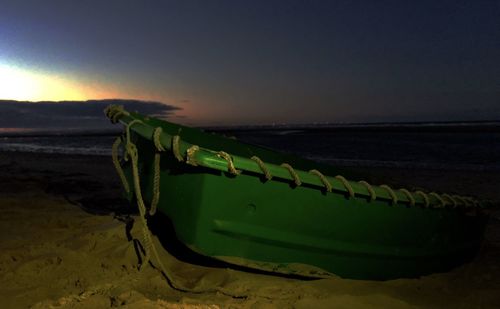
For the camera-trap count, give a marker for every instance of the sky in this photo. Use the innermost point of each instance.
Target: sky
(258, 62)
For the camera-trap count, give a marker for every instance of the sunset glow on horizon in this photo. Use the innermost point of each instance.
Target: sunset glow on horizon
(24, 85)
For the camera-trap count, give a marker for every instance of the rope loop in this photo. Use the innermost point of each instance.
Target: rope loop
(472, 202)
(324, 180)
(118, 167)
(424, 196)
(369, 188)
(461, 199)
(391, 193)
(176, 148)
(439, 198)
(156, 139)
(131, 149)
(295, 176)
(127, 129)
(150, 250)
(263, 167)
(230, 163)
(114, 112)
(476, 203)
(450, 198)
(409, 196)
(346, 184)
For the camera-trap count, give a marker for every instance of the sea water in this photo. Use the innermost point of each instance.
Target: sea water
(393, 147)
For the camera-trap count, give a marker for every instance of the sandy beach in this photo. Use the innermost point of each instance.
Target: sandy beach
(68, 240)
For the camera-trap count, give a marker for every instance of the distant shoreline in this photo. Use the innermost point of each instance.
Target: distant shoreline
(461, 126)
(452, 126)
(60, 133)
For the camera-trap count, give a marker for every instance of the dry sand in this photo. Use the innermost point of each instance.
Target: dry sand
(66, 242)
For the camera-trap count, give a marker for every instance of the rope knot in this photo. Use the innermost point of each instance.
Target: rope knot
(230, 163)
(263, 167)
(439, 198)
(408, 194)
(425, 197)
(324, 180)
(295, 176)
(132, 150)
(346, 185)
(369, 188)
(114, 112)
(393, 196)
(190, 155)
(451, 199)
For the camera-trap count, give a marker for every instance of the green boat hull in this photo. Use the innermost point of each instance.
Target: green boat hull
(278, 226)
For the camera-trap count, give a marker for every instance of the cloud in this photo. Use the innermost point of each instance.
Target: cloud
(72, 114)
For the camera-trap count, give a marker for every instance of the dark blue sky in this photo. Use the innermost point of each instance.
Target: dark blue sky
(244, 62)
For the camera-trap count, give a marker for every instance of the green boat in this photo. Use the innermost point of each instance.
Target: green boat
(255, 207)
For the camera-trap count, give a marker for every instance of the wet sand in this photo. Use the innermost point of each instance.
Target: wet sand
(68, 240)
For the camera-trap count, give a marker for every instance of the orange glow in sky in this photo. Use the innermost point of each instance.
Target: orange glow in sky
(26, 85)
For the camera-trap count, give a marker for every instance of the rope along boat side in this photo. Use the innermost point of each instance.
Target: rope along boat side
(262, 209)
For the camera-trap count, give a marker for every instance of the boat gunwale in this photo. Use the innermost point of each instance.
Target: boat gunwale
(202, 156)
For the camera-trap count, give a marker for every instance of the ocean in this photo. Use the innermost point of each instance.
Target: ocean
(454, 147)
